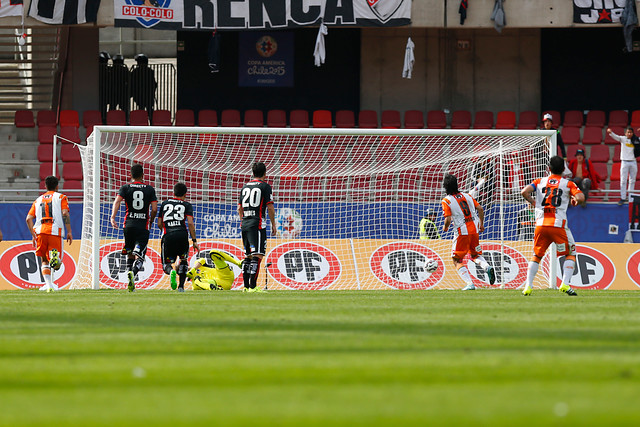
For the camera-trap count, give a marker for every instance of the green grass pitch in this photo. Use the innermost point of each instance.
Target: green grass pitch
(353, 358)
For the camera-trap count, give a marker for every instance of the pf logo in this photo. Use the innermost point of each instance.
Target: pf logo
(510, 267)
(384, 9)
(113, 268)
(21, 267)
(402, 265)
(594, 270)
(633, 267)
(304, 266)
(205, 249)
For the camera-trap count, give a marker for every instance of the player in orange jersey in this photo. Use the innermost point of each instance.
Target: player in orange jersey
(550, 196)
(47, 220)
(467, 218)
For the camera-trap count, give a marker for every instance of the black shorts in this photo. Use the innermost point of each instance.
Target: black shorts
(175, 244)
(254, 241)
(136, 236)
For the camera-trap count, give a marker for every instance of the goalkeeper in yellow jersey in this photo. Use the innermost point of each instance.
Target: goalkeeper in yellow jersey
(220, 277)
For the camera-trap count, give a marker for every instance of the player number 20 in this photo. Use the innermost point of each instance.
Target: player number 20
(251, 197)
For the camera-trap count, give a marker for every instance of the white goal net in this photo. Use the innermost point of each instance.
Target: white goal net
(348, 201)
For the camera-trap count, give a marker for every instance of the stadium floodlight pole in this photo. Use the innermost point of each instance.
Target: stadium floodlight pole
(553, 264)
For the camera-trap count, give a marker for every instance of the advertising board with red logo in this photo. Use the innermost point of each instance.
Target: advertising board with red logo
(333, 264)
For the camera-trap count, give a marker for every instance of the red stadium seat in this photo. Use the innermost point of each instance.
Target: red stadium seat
(616, 153)
(385, 187)
(69, 118)
(46, 134)
(139, 118)
(361, 154)
(70, 153)
(289, 154)
(592, 135)
(47, 168)
(601, 170)
(337, 154)
(571, 150)
(185, 117)
(615, 172)
(483, 120)
(230, 118)
(596, 118)
(45, 153)
(116, 118)
(299, 118)
(408, 184)
(390, 119)
(367, 119)
(570, 135)
(345, 119)
(46, 118)
(618, 118)
(69, 133)
(253, 118)
(599, 153)
(506, 120)
(207, 118)
(360, 188)
(75, 195)
(573, 118)
(24, 119)
(413, 119)
(335, 189)
(322, 119)
(528, 120)
(635, 119)
(161, 118)
(276, 119)
(461, 119)
(90, 118)
(72, 170)
(314, 189)
(437, 119)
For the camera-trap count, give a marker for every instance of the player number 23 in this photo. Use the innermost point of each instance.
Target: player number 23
(173, 214)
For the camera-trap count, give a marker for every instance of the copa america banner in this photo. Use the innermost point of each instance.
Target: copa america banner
(597, 11)
(11, 8)
(258, 14)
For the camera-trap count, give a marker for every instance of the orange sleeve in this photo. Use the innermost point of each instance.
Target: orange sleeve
(64, 203)
(446, 208)
(475, 203)
(32, 211)
(573, 188)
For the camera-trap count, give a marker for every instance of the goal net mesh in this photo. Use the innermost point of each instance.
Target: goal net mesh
(348, 202)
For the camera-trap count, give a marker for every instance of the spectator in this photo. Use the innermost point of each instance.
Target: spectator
(584, 174)
(428, 227)
(120, 85)
(143, 84)
(547, 123)
(628, 164)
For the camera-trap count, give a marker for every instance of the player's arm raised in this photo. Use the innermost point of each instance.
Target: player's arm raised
(192, 232)
(115, 209)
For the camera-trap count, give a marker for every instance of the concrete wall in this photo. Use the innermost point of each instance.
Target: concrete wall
(491, 72)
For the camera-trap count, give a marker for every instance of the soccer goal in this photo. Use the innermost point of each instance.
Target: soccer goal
(348, 201)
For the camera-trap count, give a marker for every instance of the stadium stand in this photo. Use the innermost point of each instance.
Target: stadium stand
(139, 118)
(618, 130)
(596, 118)
(75, 186)
(90, 118)
(461, 119)
(322, 119)
(276, 119)
(72, 171)
(635, 119)
(618, 118)
(116, 118)
(207, 118)
(299, 118)
(570, 135)
(230, 118)
(483, 120)
(161, 118)
(253, 118)
(556, 117)
(591, 135)
(69, 133)
(573, 118)
(599, 153)
(46, 134)
(69, 118)
(506, 120)
(436, 119)
(46, 118)
(70, 153)
(528, 120)
(45, 153)
(391, 119)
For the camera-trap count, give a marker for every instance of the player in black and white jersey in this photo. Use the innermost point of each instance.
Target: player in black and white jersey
(142, 207)
(176, 215)
(255, 201)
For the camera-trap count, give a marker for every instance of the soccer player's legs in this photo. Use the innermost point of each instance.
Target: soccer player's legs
(220, 259)
(566, 246)
(45, 243)
(542, 237)
(460, 248)
(175, 245)
(255, 246)
(475, 250)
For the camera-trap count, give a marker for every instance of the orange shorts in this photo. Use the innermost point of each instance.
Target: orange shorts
(546, 235)
(466, 243)
(46, 242)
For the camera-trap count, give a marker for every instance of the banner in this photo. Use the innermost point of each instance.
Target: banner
(64, 12)
(597, 11)
(258, 14)
(265, 59)
(11, 8)
(328, 264)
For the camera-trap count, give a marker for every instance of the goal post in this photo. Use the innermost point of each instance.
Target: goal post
(348, 201)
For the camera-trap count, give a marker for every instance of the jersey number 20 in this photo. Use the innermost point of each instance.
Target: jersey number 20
(251, 197)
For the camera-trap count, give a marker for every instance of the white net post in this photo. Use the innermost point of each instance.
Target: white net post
(348, 201)
(553, 264)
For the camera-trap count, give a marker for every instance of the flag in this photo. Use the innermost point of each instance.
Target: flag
(319, 53)
(11, 8)
(409, 59)
(64, 12)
